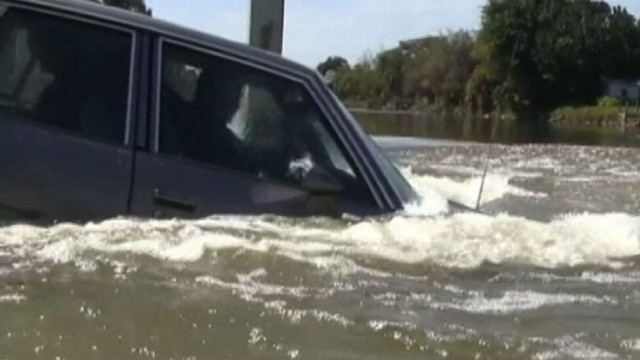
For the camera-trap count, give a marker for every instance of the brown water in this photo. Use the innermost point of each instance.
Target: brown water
(491, 130)
(551, 272)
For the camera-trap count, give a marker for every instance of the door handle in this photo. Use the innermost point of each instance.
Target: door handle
(172, 202)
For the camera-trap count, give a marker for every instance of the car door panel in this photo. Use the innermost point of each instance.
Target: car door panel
(173, 187)
(54, 176)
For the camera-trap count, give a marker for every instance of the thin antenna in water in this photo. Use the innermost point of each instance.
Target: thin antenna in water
(484, 178)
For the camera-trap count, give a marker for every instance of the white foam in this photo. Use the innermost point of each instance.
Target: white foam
(601, 278)
(610, 278)
(517, 301)
(12, 298)
(248, 289)
(462, 241)
(570, 348)
(496, 187)
(631, 344)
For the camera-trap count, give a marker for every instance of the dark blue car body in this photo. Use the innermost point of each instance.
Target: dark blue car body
(53, 171)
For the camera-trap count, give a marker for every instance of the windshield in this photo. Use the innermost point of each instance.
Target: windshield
(391, 172)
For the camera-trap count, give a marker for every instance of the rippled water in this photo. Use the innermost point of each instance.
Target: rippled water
(551, 272)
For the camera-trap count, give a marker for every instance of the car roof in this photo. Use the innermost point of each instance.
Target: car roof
(132, 19)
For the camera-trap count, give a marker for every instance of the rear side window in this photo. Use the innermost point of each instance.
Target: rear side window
(66, 74)
(236, 117)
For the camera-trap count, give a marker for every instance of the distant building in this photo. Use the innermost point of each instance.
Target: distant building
(624, 90)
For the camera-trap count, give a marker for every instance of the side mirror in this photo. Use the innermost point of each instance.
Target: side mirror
(319, 181)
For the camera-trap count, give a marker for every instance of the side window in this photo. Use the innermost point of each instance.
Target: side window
(65, 74)
(233, 116)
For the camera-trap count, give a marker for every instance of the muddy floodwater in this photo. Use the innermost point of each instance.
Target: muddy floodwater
(551, 271)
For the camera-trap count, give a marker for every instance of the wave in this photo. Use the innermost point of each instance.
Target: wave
(424, 235)
(496, 186)
(519, 301)
(458, 241)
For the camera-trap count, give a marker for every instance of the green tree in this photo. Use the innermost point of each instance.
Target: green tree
(483, 81)
(335, 63)
(391, 65)
(363, 83)
(530, 57)
(439, 71)
(430, 71)
(541, 54)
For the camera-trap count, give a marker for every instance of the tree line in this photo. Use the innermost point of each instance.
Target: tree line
(528, 58)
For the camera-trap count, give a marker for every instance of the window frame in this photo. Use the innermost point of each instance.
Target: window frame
(127, 141)
(158, 62)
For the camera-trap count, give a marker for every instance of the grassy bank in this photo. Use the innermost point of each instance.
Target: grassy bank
(613, 116)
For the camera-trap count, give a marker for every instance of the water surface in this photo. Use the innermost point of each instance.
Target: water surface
(492, 130)
(552, 271)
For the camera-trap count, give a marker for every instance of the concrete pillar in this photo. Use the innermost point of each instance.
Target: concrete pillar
(267, 25)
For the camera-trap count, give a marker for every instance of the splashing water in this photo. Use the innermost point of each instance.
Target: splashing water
(458, 241)
(496, 187)
(422, 284)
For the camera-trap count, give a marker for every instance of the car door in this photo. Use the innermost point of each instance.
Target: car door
(234, 139)
(65, 95)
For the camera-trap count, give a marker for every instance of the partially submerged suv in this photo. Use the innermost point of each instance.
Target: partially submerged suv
(104, 113)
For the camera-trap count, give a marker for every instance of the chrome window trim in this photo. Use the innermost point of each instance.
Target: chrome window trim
(105, 25)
